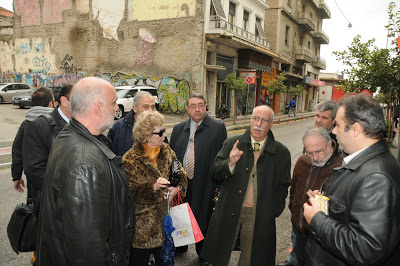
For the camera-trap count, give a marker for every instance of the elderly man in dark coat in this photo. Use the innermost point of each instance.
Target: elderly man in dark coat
(206, 142)
(255, 170)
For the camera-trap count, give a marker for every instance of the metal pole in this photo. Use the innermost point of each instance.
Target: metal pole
(247, 99)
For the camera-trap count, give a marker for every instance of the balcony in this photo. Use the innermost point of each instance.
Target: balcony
(303, 55)
(319, 62)
(226, 30)
(324, 10)
(306, 22)
(321, 37)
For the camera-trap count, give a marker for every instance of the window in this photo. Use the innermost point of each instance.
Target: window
(303, 9)
(308, 45)
(287, 35)
(259, 29)
(245, 20)
(311, 15)
(289, 3)
(232, 12)
(301, 41)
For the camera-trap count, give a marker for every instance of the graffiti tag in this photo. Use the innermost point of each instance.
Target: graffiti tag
(67, 64)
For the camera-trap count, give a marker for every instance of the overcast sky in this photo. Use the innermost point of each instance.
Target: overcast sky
(368, 18)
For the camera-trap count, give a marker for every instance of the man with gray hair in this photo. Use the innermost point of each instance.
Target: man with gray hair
(325, 117)
(86, 215)
(362, 226)
(312, 170)
(121, 132)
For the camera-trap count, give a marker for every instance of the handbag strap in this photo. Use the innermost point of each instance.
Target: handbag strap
(177, 201)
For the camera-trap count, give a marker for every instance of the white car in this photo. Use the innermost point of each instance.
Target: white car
(9, 90)
(125, 98)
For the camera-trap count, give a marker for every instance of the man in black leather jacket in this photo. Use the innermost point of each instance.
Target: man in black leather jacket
(363, 225)
(86, 215)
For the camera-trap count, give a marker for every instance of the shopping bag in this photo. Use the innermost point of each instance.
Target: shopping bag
(187, 230)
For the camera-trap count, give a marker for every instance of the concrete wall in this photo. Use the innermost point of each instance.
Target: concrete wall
(54, 44)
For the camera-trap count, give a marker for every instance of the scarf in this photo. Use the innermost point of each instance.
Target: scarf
(152, 153)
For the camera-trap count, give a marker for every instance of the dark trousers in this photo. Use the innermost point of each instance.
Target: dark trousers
(300, 247)
(140, 257)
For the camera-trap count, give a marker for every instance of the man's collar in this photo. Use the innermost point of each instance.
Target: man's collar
(63, 115)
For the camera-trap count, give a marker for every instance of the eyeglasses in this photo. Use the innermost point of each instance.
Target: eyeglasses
(194, 107)
(256, 118)
(318, 153)
(160, 133)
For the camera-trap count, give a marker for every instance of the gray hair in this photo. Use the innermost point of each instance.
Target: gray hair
(366, 111)
(328, 106)
(139, 95)
(196, 95)
(317, 131)
(270, 109)
(86, 93)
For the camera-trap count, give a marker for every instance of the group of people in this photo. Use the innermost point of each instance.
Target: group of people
(102, 200)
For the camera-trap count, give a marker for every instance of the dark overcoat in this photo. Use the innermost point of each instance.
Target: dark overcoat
(208, 140)
(273, 180)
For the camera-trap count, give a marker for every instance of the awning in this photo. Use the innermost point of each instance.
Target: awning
(219, 8)
(260, 28)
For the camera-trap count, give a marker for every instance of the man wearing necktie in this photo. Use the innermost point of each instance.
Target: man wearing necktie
(196, 142)
(255, 171)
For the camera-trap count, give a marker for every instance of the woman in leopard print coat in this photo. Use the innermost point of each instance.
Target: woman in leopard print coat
(147, 165)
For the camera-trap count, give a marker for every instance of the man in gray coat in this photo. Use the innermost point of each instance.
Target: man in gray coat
(255, 170)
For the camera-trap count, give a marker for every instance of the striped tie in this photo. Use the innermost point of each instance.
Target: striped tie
(190, 157)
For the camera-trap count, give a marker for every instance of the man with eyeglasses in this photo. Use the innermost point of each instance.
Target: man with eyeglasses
(121, 131)
(362, 226)
(196, 142)
(255, 171)
(312, 171)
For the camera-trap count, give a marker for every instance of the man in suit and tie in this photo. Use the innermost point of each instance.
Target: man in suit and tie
(196, 142)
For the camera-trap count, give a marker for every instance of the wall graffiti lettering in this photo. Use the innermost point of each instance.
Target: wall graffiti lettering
(144, 49)
(41, 62)
(173, 93)
(67, 64)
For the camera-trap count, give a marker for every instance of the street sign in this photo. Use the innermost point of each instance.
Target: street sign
(249, 80)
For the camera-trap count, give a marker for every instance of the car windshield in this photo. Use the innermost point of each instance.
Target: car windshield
(121, 93)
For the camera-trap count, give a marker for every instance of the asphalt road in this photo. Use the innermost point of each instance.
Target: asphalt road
(10, 118)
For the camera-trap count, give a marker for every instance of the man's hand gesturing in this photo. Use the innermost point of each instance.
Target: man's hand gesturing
(235, 154)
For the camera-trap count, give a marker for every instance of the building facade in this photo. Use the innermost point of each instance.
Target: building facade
(294, 28)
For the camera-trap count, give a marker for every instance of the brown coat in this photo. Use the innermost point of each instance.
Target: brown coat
(150, 205)
(305, 177)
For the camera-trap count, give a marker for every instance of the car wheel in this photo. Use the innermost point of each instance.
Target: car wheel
(120, 113)
(22, 107)
(1, 99)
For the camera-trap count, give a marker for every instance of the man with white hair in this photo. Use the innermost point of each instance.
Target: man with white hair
(86, 215)
(255, 171)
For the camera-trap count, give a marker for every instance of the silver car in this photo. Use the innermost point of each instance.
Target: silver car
(9, 90)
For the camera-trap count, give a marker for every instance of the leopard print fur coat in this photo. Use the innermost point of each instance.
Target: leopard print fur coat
(150, 205)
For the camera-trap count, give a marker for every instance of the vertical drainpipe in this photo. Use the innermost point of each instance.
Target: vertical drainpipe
(203, 90)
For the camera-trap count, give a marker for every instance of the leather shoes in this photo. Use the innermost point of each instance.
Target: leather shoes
(284, 263)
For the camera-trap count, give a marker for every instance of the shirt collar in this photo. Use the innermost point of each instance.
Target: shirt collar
(352, 156)
(261, 142)
(63, 115)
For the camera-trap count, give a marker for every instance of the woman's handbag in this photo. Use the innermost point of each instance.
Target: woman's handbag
(187, 230)
(168, 248)
(22, 228)
(175, 173)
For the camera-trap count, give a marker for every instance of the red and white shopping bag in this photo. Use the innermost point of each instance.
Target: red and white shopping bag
(187, 230)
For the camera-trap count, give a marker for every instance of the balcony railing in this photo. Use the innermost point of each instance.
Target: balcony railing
(218, 23)
(319, 62)
(324, 9)
(303, 54)
(321, 37)
(306, 21)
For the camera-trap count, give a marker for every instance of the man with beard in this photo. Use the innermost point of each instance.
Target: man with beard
(86, 215)
(255, 171)
(312, 170)
(362, 226)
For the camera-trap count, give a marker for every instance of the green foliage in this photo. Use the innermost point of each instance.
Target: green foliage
(277, 85)
(382, 98)
(237, 84)
(296, 91)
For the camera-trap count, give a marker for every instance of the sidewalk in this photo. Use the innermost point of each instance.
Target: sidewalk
(241, 121)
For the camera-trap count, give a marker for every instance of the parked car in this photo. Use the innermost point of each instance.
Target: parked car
(9, 90)
(23, 100)
(125, 98)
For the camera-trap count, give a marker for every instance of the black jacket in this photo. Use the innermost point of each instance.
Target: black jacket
(208, 140)
(363, 226)
(38, 139)
(86, 215)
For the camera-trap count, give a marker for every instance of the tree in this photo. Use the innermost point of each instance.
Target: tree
(237, 85)
(277, 86)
